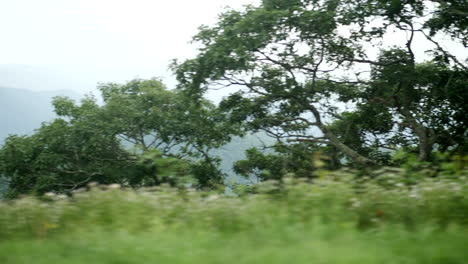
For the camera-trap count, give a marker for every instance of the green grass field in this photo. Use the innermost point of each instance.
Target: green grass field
(274, 245)
(297, 222)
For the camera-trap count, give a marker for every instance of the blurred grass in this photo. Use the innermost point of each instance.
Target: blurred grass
(333, 220)
(289, 245)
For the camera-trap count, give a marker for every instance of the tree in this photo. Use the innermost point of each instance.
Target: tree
(145, 113)
(299, 159)
(142, 135)
(62, 157)
(305, 72)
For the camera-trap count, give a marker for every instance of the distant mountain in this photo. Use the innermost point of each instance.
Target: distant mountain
(235, 151)
(40, 78)
(22, 111)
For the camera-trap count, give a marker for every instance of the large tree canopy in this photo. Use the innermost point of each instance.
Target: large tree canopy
(347, 76)
(142, 135)
(145, 113)
(63, 156)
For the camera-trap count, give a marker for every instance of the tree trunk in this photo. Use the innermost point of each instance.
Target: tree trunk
(424, 135)
(354, 155)
(335, 141)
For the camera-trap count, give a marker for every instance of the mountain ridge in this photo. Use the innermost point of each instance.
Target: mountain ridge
(23, 110)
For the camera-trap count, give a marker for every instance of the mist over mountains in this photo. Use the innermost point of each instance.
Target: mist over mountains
(35, 78)
(22, 111)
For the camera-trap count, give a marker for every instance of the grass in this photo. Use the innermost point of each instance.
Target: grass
(329, 221)
(290, 245)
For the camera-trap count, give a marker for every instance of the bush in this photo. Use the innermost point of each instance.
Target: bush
(336, 199)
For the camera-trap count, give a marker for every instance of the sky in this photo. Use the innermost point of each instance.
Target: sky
(74, 44)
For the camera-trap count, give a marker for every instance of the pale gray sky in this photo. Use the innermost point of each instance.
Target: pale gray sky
(82, 42)
(73, 44)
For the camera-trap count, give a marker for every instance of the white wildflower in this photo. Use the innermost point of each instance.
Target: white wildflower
(212, 197)
(355, 203)
(49, 194)
(415, 195)
(61, 196)
(114, 186)
(92, 184)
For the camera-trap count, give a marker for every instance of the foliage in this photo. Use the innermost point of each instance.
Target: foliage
(168, 140)
(146, 113)
(294, 215)
(3, 186)
(61, 156)
(305, 72)
(297, 159)
(140, 165)
(452, 17)
(382, 197)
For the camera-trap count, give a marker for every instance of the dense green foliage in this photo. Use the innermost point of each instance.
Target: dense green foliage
(168, 140)
(325, 78)
(336, 219)
(345, 77)
(369, 163)
(61, 156)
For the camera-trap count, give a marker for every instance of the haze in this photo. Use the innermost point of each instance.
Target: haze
(74, 44)
(54, 45)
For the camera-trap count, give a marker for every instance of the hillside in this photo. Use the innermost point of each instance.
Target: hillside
(298, 222)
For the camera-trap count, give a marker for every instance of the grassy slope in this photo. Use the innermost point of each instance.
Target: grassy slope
(286, 245)
(325, 222)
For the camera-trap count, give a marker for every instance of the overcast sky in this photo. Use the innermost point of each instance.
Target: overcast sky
(47, 43)
(74, 44)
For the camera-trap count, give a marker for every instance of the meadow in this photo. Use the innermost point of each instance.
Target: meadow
(335, 219)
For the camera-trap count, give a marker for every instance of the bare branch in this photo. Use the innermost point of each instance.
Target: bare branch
(312, 140)
(446, 53)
